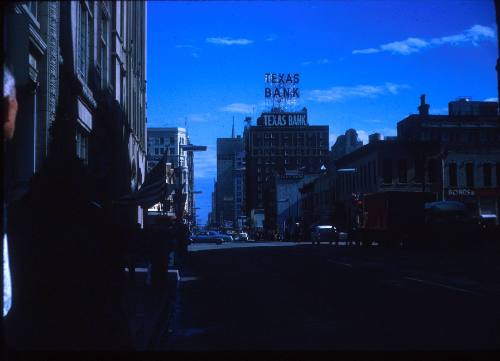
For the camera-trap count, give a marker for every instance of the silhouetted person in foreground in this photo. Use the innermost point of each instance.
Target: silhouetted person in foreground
(66, 262)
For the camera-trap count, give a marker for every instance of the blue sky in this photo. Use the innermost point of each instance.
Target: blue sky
(362, 64)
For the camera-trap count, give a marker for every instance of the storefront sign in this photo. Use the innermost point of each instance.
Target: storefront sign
(461, 192)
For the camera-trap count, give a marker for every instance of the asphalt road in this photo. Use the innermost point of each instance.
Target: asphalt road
(305, 297)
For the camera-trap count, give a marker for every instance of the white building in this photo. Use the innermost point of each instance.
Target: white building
(168, 143)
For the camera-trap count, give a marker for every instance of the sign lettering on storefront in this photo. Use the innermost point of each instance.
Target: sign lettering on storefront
(461, 192)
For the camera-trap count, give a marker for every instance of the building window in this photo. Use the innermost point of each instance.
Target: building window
(487, 174)
(33, 8)
(387, 171)
(162, 140)
(402, 171)
(469, 175)
(104, 50)
(452, 172)
(82, 145)
(172, 140)
(83, 40)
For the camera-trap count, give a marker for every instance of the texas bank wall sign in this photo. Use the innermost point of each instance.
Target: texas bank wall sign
(291, 119)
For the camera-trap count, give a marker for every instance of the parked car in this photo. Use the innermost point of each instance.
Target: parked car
(224, 237)
(324, 233)
(207, 237)
(241, 237)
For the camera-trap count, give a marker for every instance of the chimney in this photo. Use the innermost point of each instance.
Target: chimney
(423, 109)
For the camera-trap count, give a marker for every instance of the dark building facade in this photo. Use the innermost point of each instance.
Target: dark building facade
(81, 88)
(469, 156)
(280, 142)
(229, 190)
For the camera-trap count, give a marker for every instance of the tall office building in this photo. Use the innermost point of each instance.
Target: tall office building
(230, 170)
(280, 142)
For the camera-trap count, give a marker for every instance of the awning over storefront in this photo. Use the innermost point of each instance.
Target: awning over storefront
(154, 189)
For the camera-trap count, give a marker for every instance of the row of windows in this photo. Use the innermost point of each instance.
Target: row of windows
(459, 135)
(162, 151)
(366, 175)
(469, 173)
(286, 136)
(310, 142)
(162, 140)
(278, 152)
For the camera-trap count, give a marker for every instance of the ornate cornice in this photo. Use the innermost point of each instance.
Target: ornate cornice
(53, 58)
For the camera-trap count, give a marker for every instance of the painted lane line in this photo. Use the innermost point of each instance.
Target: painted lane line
(443, 285)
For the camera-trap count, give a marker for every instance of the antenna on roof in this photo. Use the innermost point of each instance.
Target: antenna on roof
(232, 131)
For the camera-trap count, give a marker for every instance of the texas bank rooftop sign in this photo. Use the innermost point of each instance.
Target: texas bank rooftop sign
(282, 88)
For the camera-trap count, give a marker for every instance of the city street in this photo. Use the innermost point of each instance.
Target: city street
(305, 297)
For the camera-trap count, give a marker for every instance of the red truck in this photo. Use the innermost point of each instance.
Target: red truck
(392, 217)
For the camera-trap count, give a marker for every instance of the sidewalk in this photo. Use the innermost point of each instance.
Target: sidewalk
(149, 311)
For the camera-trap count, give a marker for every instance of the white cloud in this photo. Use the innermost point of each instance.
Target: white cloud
(194, 54)
(366, 51)
(405, 47)
(412, 45)
(473, 35)
(238, 108)
(340, 93)
(228, 41)
(362, 135)
(320, 61)
(491, 100)
(184, 46)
